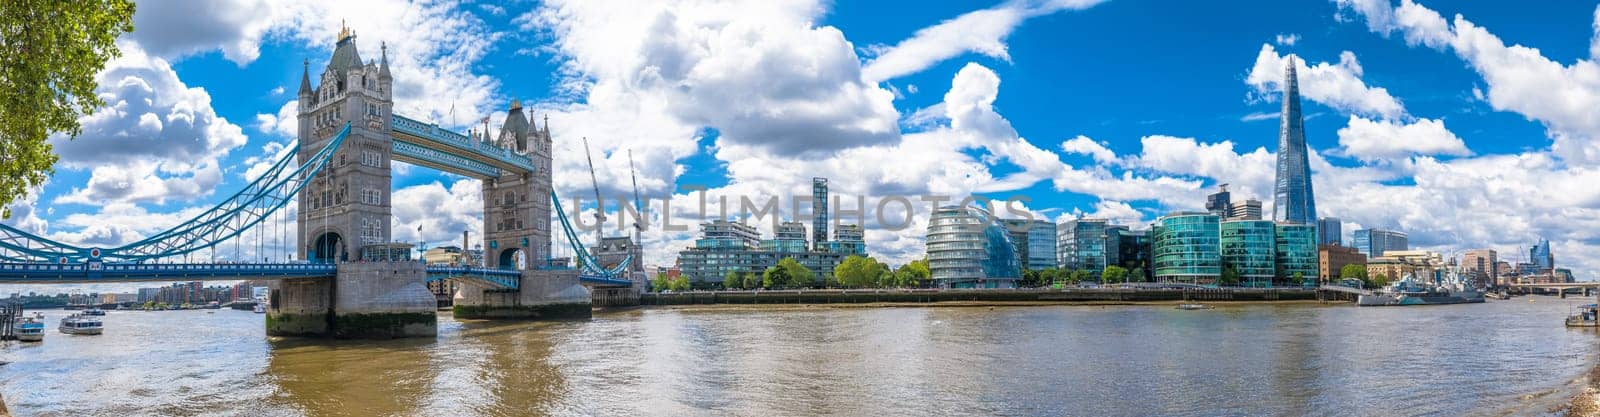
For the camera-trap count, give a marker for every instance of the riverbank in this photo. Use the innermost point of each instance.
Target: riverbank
(985, 297)
(1587, 402)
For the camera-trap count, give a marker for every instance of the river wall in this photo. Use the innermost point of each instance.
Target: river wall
(987, 295)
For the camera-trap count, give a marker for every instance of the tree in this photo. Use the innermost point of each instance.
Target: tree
(681, 283)
(799, 276)
(1138, 273)
(1379, 281)
(1113, 274)
(53, 50)
(733, 281)
(857, 271)
(1230, 277)
(1300, 278)
(750, 280)
(774, 277)
(661, 282)
(1077, 276)
(1353, 271)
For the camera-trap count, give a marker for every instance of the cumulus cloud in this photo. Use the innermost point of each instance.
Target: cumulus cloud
(1381, 139)
(1336, 85)
(982, 31)
(1287, 39)
(1083, 145)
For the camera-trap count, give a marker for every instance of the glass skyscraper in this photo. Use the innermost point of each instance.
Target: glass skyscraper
(968, 248)
(1248, 247)
(1296, 253)
(1293, 200)
(1330, 231)
(1081, 245)
(1374, 242)
(1186, 248)
(1540, 255)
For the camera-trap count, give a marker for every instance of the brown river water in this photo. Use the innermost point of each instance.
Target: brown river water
(1499, 358)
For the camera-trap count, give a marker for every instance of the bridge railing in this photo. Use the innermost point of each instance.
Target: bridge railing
(434, 132)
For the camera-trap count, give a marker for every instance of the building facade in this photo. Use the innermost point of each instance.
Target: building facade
(1035, 242)
(847, 239)
(729, 247)
(1540, 255)
(1332, 259)
(1130, 249)
(1296, 254)
(819, 210)
(1186, 248)
(1247, 210)
(1330, 231)
(1081, 245)
(1479, 264)
(1376, 242)
(968, 248)
(1248, 249)
(1293, 200)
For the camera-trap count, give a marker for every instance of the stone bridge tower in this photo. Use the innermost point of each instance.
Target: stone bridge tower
(516, 206)
(346, 206)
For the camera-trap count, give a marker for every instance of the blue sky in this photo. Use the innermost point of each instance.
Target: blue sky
(1431, 123)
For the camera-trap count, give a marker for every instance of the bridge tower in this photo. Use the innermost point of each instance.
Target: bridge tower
(516, 205)
(344, 213)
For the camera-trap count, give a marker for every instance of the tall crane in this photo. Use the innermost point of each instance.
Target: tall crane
(600, 208)
(638, 206)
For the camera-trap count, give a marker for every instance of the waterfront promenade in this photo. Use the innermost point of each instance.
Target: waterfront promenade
(1030, 295)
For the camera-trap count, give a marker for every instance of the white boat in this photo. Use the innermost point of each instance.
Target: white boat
(81, 324)
(261, 308)
(30, 329)
(95, 311)
(1194, 307)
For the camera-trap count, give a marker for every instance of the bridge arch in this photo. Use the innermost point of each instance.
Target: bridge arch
(513, 258)
(328, 247)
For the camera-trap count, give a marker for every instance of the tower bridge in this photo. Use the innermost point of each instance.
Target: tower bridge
(352, 281)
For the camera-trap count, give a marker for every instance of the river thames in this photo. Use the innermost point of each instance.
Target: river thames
(1499, 358)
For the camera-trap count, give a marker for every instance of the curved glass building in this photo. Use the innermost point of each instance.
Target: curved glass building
(969, 248)
(1296, 252)
(1186, 248)
(1248, 246)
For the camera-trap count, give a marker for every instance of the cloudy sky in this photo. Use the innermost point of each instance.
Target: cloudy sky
(1466, 124)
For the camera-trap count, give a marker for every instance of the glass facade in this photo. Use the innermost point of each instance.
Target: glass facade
(1330, 231)
(1129, 249)
(1374, 242)
(1293, 200)
(1296, 254)
(1248, 248)
(1081, 245)
(1035, 242)
(1186, 248)
(967, 248)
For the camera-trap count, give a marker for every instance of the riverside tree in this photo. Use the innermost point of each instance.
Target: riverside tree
(1114, 274)
(53, 49)
(857, 271)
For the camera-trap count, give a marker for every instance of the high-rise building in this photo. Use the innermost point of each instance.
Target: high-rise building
(1333, 258)
(1247, 210)
(848, 240)
(1129, 249)
(1539, 255)
(819, 211)
(1374, 242)
(1185, 248)
(1247, 248)
(1081, 245)
(967, 248)
(727, 247)
(790, 237)
(1329, 231)
(1480, 265)
(1219, 203)
(1293, 200)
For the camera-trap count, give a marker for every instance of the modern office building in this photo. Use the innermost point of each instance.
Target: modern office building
(1246, 210)
(725, 247)
(1185, 248)
(1081, 245)
(1293, 200)
(819, 210)
(1129, 249)
(1333, 258)
(1247, 248)
(1330, 231)
(1480, 265)
(1035, 242)
(1540, 255)
(968, 248)
(1375, 242)
(1296, 254)
(848, 240)
(1220, 203)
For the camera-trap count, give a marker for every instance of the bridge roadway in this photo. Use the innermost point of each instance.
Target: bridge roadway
(94, 272)
(429, 145)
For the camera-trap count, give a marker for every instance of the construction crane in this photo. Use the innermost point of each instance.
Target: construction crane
(638, 206)
(600, 208)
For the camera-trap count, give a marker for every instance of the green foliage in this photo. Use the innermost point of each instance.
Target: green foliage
(53, 49)
(1353, 271)
(1379, 281)
(799, 276)
(750, 280)
(681, 283)
(733, 281)
(1137, 274)
(1114, 274)
(660, 282)
(857, 272)
(774, 277)
(1230, 276)
(1078, 276)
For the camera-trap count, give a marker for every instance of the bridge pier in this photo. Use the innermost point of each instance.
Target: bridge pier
(367, 300)
(541, 295)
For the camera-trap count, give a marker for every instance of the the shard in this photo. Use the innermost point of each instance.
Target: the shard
(1293, 200)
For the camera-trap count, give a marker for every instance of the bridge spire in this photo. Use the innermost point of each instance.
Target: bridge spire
(305, 79)
(383, 66)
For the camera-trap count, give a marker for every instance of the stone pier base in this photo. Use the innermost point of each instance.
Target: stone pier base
(542, 295)
(368, 300)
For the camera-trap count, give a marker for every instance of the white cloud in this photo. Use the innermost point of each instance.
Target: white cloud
(1335, 85)
(1287, 39)
(441, 213)
(1083, 145)
(982, 31)
(175, 28)
(1374, 140)
(285, 123)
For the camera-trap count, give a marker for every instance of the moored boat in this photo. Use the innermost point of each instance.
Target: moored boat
(260, 308)
(1409, 292)
(1586, 317)
(94, 311)
(81, 324)
(1194, 307)
(30, 329)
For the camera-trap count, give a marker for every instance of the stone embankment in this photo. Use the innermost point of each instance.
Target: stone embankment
(1050, 296)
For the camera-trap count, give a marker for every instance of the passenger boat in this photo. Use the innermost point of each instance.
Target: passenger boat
(30, 329)
(1585, 317)
(94, 311)
(1194, 307)
(81, 324)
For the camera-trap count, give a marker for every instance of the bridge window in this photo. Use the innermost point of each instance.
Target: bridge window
(372, 158)
(372, 196)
